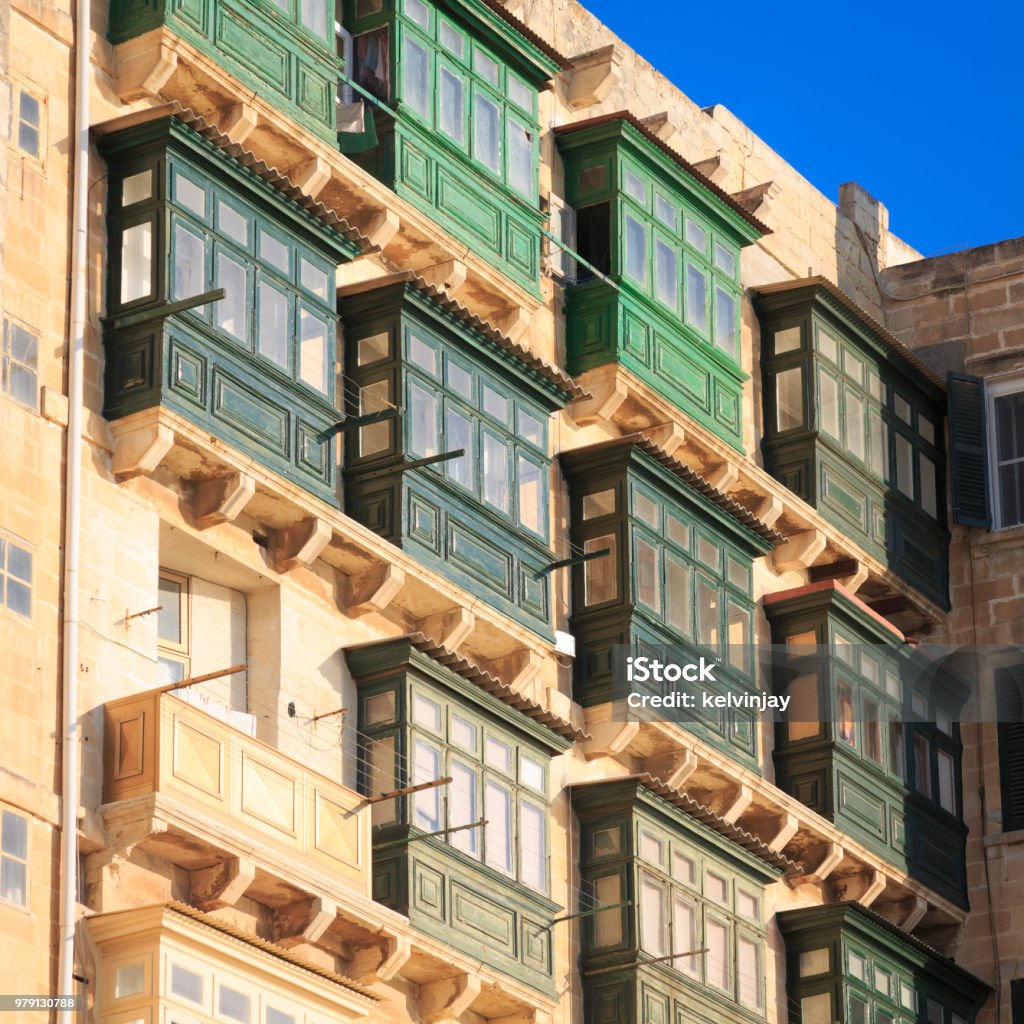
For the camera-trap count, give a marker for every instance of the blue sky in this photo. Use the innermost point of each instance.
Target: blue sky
(921, 104)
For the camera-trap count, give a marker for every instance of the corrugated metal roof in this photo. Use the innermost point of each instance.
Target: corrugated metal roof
(495, 687)
(739, 512)
(858, 313)
(442, 298)
(695, 809)
(268, 947)
(527, 33)
(672, 154)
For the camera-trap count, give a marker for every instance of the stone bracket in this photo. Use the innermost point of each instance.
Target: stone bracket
(303, 922)
(221, 885)
(144, 67)
(373, 589)
(377, 962)
(799, 551)
(222, 499)
(382, 227)
(724, 476)
(300, 544)
(449, 276)
(757, 199)
(311, 176)
(593, 75)
(661, 125)
(448, 998)
(602, 404)
(608, 739)
(519, 670)
(715, 167)
(669, 437)
(449, 629)
(744, 798)
(918, 908)
(788, 828)
(239, 121)
(769, 510)
(833, 857)
(140, 450)
(515, 324)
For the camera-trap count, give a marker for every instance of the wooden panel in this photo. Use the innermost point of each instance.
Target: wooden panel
(338, 831)
(250, 46)
(854, 800)
(428, 891)
(268, 795)
(479, 557)
(471, 211)
(535, 942)
(187, 373)
(129, 747)
(235, 404)
(483, 919)
(198, 758)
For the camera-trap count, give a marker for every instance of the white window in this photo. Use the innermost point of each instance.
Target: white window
(27, 122)
(19, 360)
(14, 858)
(173, 628)
(653, 916)
(15, 578)
(1006, 452)
(562, 224)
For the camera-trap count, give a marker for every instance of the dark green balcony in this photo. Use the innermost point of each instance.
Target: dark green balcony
(679, 572)
(665, 303)
(482, 889)
(255, 368)
(284, 50)
(685, 932)
(872, 740)
(482, 518)
(854, 424)
(846, 964)
(457, 123)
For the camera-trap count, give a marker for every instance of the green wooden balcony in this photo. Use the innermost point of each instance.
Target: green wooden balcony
(482, 518)
(256, 368)
(468, 860)
(846, 964)
(854, 424)
(455, 122)
(872, 741)
(685, 931)
(665, 244)
(283, 50)
(678, 572)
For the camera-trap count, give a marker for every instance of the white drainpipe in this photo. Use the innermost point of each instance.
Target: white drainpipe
(70, 790)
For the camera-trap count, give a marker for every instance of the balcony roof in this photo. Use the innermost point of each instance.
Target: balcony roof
(440, 297)
(528, 34)
(674, 155)
(864, 319)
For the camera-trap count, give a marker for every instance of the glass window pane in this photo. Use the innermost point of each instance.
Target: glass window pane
(498, 813)
(460, 380)
(13, 882)
(684, 869)
(708, 615)
(696, 235)
(531, 773)
(926, 428)
(373, 349)
(235, 1005)
(716, 888)
(845, 726)
(450, 106)
(520, 158)
(855, 425)
(787, 340)
(231, 310)
(136, 188)
(530, 428)
(380, 708)
(879, 444)
(816, 1009)
(600, 503)
(274, 1016)
(275, 252)
(678, 532)
(137, 262)
(495, 469)
(15, 835)
(857, 966)
(929, 494)
(422, 355)
(652, 849)
(531, 495)
(186, 983)
(828, 404)
(635, 187)
(646, 509)
(28, 109)
(129, 980)
(648, 580)
(424, 420)
(717, 957)
(697, 299)
(418, 12)
(452, 39)
(168, 619)
(272, 337)
(664, 211)
(314, 365)
(487, 68)
(725, 260)
(458, 435)
(427, 803)
(653, 923)
(533, 846)
(600, 575)
(858, 1011)
(922, 766)
(739, 636)
(852, 366)
(463, 808)
(375, 437)
(678, 594)
(748, 966)
(19, 563)
(313, 15)
(803, 720)
(495, 404)
(520, 93)
(905, 466)
(190, 195)
(416, 75)
(487, 133)
(814, 961)
(872, 731)
(902, 408)
(897, 748)
(789, 399)
(608, 924)
(380, 777)
(498, 755)
(725, 321)
(189, 266)
(684, 936)
(232, 223)
(828, 346)
(666, 274)
(947, 781)
(636, 250)
(314, 279)
(463, 733)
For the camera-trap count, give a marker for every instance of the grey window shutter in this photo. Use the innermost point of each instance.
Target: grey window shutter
(968, 453)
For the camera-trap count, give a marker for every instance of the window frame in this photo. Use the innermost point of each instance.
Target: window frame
(7, 358)
(995, 389)
(7, 541)
(22, 87)
(26, 862)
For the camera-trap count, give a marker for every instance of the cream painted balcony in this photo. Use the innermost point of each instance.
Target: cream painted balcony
(208, 798)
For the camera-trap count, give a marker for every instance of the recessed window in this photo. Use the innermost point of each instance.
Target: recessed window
(173, 628)
(14, 858)
(27, 130)
(19, 363)
(1006, 446)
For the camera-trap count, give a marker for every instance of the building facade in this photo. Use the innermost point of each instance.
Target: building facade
(415, 358)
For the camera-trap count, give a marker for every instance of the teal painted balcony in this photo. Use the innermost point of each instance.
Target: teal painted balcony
(665, 243)
(255, 368)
